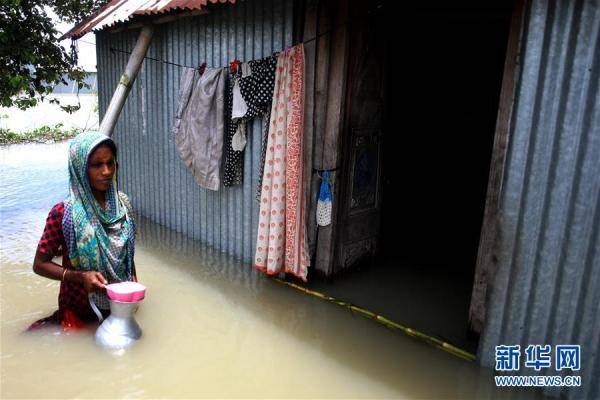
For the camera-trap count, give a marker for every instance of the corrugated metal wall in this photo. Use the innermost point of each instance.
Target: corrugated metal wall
(151, 171)
(547, 288)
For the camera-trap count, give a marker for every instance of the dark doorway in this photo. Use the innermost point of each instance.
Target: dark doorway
(443, 67)
(444, 88)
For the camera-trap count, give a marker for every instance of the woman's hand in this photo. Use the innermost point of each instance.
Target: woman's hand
(93, 281)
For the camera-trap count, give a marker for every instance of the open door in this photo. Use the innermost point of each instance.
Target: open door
(422, 93)
(360, 187)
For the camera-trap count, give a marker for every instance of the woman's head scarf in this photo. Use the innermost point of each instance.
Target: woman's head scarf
(98, 239)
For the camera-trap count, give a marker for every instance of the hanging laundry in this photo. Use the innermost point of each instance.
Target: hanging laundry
(233, 154)
(200, 124)
(282, 239)
(256, 80)
(239, 107)
(324, 205)
(238, 141)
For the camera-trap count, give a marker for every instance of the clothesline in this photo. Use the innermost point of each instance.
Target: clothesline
(314, 170)
(113, 50)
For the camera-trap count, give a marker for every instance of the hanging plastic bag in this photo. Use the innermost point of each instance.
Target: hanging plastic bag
(324, 204)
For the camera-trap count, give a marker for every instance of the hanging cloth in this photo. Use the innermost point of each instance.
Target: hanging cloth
(324, 204)
(239, 107)
(200, 124)
(282, 239)
(233, 168)
(256, 80)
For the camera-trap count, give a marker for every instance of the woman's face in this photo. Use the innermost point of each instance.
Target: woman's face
(101, 168)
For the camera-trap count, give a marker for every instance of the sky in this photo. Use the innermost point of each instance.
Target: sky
(86, 45)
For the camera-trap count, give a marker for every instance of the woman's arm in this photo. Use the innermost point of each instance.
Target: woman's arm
(134, 274)
(44, 266)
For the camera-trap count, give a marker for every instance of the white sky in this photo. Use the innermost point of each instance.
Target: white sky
(86, 45)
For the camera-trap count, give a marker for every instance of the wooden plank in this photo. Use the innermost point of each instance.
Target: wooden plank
(335, 95)
(334, 119)
(321, 81)
(322, 43)
(487, 258)
(310, 50)
(356, 235)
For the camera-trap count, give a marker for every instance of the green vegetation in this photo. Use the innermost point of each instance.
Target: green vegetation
(32, 61)
(43, 134)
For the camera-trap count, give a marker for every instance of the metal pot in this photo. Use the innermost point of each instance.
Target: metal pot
(120, 329)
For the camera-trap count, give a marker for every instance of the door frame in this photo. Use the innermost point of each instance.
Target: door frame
(490, 236)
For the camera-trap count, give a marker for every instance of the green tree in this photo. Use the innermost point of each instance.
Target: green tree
(32, 61)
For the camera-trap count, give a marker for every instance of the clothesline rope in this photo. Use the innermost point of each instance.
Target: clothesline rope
(113, 50)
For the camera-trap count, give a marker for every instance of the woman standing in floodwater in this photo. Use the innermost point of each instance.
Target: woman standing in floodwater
(93, 230)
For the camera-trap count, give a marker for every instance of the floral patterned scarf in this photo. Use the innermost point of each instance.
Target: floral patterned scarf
(98, 239)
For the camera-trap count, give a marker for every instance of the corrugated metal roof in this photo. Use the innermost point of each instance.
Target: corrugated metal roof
(119, 11)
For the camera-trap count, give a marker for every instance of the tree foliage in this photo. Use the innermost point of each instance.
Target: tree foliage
(32, 61)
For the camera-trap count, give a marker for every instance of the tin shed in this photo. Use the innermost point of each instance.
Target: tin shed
(516, 218)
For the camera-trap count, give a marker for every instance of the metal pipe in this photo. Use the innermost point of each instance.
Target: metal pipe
(126, 82)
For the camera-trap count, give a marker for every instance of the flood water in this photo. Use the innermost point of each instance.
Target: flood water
(212, 327)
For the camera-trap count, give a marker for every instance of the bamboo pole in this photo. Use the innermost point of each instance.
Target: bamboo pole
(126, 82)
(440, 344)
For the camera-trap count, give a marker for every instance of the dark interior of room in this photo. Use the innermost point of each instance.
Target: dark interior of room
(444, 87)
(444, 67)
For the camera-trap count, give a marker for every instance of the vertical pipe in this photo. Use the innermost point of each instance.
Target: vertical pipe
(131, 70)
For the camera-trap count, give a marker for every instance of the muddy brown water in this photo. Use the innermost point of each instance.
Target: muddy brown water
(212, 326)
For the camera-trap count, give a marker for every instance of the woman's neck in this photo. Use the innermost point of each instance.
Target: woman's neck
(100, 197)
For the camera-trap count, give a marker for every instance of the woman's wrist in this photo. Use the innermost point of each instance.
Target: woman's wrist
(73, 276)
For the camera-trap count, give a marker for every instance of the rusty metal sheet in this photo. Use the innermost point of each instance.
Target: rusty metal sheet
(162, 6)
(119, 11)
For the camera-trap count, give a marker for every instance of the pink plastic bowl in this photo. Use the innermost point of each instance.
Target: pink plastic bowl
(127, 292)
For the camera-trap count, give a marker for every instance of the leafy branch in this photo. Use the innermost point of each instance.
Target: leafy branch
(32, 62)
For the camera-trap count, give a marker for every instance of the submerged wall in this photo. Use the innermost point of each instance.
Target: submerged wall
(547, 286)
(151, 172)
